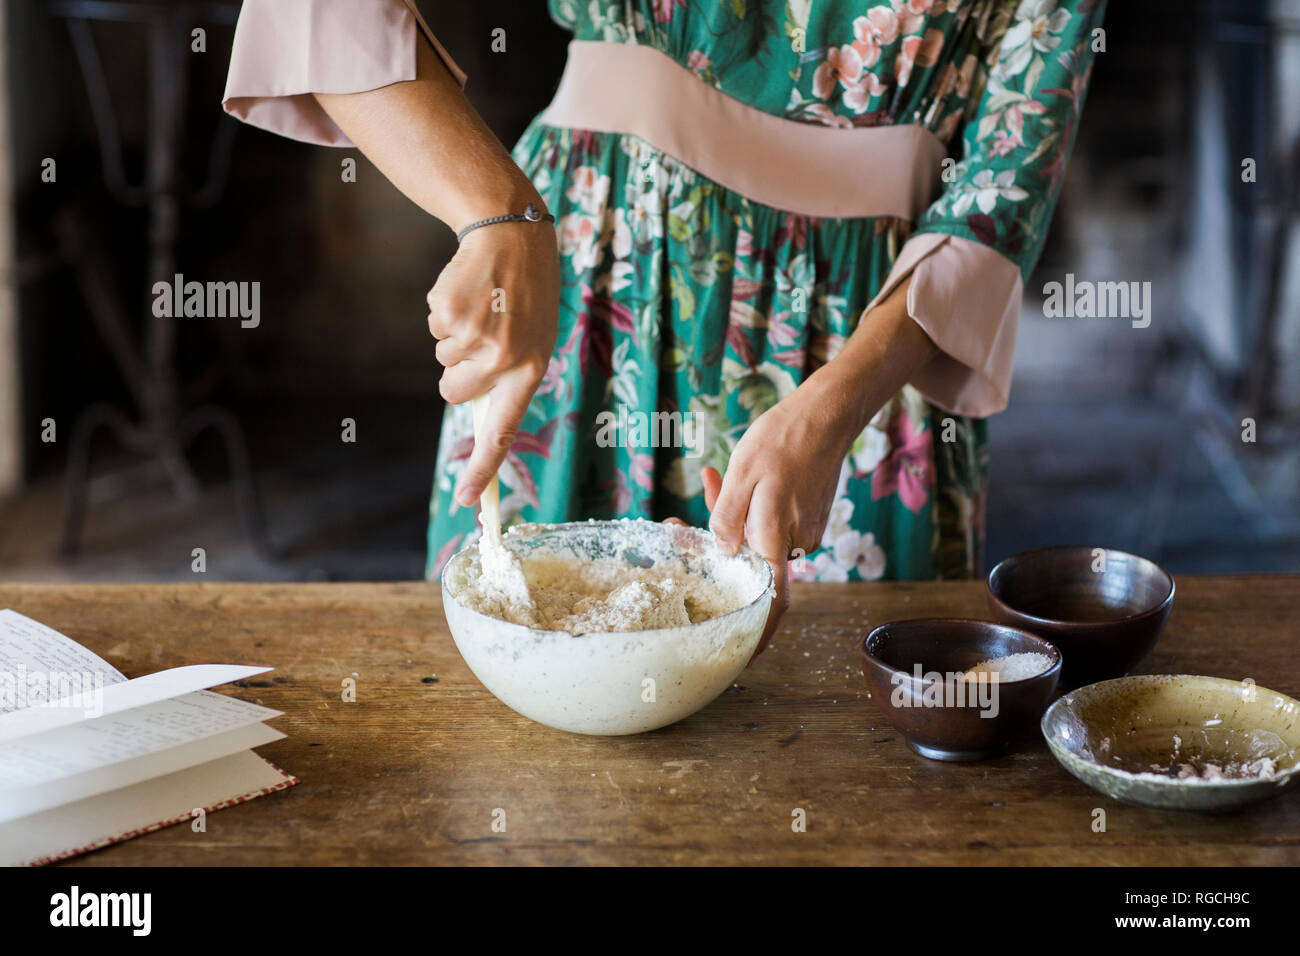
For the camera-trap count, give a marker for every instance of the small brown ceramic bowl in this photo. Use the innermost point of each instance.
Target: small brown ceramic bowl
(914, 669)
(1104, 621)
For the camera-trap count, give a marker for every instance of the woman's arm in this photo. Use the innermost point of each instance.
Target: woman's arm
(781, 478)
(424, 136)
(946, 316)
(427, 139)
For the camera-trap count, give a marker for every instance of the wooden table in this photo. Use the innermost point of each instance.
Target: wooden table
(413, 771)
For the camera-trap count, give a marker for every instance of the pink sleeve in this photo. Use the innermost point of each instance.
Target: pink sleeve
(285, 50)
(967, 299)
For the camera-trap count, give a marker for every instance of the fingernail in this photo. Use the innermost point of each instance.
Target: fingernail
(466, 496)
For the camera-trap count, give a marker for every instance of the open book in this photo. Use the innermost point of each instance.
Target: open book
(89, 758)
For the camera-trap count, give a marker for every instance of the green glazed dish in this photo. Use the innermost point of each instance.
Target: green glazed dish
(1178, 742)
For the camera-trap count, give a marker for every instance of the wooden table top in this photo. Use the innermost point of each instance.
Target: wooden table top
(413, 771)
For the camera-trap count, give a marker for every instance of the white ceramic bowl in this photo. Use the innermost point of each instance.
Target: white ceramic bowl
(612, 683)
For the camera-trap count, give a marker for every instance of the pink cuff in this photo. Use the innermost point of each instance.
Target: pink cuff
(286, 50)
(967, 298)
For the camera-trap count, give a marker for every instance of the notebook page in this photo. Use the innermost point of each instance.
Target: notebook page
(37, 662)
(126, 695)
(24, 801)
(92, 744)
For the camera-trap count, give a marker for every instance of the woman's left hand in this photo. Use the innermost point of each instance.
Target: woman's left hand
(783, 473)
(781, 479)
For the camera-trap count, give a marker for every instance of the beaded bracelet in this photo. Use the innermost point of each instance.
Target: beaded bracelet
(530, 214)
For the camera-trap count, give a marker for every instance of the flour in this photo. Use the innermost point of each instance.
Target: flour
(559, 592)
(503, 583)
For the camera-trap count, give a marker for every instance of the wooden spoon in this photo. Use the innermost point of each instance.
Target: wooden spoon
(500, 566)
(490, 501)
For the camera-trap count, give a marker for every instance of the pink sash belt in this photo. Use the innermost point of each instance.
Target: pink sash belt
(798, 167)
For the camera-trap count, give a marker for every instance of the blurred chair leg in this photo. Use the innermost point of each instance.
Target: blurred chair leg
(231, 434)
(148, 368)
(76, 482)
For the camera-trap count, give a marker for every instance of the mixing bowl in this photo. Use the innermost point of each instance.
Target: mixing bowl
(609, 683)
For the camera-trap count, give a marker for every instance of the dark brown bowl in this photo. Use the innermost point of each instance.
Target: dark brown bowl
(955, 727)
(1104, 622)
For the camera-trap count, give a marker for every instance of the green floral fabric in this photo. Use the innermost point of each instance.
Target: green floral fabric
(681, 297)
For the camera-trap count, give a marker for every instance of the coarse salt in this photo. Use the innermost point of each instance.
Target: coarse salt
(1010, 668)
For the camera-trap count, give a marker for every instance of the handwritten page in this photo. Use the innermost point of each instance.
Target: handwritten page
(133, 733)
(125, 695)
(34, 658)
(88, 757)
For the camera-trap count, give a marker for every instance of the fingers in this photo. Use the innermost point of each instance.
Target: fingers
(767, 535)
(464, 381)
(450, 352)
(730, 506)
(676, 521)
(780, 604)
(748, 516)
(501, 424)
(712, 485)
(441, 320)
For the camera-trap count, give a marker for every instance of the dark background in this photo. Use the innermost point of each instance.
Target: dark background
(1117, 436)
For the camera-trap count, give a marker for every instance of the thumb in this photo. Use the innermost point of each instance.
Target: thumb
(730, 506)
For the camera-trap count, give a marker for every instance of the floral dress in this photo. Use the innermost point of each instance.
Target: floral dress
(703, 304)
(678, 294)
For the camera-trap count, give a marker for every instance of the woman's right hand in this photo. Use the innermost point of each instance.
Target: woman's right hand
(494, 311)
(426, 138)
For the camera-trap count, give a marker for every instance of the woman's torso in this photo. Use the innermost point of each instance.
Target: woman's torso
(830, 62)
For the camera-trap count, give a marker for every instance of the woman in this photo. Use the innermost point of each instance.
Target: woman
(759, 228)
